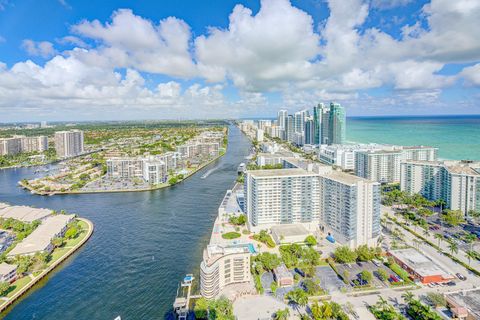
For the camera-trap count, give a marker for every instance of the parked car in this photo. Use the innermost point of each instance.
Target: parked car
(461, 276)
(300, 272)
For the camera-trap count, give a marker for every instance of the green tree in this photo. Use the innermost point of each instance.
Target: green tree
(366, 275)
(4, 286)
(282, 314)
(408, 296)
(439, 237)
(436, 298)
(201, 308)
(470, 255)
(310, 241)
(297, 297)
(57, 242)
(453, 217)
(382, 274)
(345, 255)
(453, 247)
(71, 233)
(364, 253)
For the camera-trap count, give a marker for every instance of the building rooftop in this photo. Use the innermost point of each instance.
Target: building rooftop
(282, 272)
(418, 147)
(6, 268)
(288, 230)
(421, 264)
(280, 172)
(344, 177)
(41, 237)
(454, 166)
(215, 251)
(467, 299)
(24, 214)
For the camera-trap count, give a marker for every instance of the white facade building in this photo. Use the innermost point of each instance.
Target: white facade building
(281, 196)
(350, 209)
(222, 266)
(382, 165)
(456, 182)
(69, 143)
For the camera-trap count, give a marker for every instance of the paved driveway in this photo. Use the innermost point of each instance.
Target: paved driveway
(328, 279)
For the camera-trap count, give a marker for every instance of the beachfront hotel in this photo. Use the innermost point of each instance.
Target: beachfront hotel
(223, 266)
(456, 182)
(69, 143)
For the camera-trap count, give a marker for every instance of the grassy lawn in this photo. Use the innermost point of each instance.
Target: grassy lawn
(231, 235)
(17, 285)
(81, 235)
(57, 254)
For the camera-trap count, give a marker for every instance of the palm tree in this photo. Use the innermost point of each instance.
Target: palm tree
(381, 303)
(426, 233)
(470, 238)
(298, 297)
(453, 247)
(380, 240)
(282, 314)
(470, 255)
(439, 237)
(408, 296)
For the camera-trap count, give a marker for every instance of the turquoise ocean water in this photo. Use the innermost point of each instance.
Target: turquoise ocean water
(457, 137)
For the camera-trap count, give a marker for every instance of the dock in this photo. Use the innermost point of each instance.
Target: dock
(182, 300)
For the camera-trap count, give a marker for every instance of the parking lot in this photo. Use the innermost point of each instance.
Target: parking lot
(329, 280)
(456, 234)
(6, 240)
(354, 269)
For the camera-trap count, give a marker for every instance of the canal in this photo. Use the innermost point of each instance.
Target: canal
(143, 244)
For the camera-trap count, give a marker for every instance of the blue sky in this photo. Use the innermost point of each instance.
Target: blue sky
(79, 60)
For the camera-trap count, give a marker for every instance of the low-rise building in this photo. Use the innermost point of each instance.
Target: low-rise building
(8, 272)
(420, 267)
(289, 233)
(283, 276)
(223, 266)
(24, 213)
(464, 305)
(40, 240)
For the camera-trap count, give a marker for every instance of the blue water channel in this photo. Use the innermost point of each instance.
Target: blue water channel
(143, 244)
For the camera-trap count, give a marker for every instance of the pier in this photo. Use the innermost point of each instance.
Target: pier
(182, 301)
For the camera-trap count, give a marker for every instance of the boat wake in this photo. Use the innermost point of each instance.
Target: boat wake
(209, 172)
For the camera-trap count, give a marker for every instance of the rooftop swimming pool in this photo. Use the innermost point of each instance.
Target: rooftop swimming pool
(250, 247)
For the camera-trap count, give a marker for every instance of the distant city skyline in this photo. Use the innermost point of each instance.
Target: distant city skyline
(236, 59)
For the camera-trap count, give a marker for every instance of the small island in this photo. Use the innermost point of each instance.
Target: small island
(33, 242)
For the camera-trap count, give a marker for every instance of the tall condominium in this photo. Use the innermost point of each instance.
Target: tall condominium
(350, 208)
(281, 196)
(310, 131)
(69, 143)
(455, 182)
(317, 123)
(10, 146)
(222, 266)
(325, 124)
(345, 206)
(290, 128)
(383, 164)
(19, 144)
(379, 165)
(282, 123)
(336, 126)
(31, 144)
